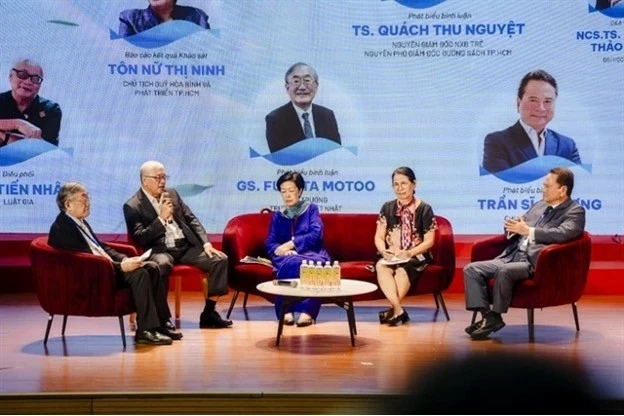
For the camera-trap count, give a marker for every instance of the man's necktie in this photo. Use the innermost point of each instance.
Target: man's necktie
(542, 218)
(96, 244)
(307, 127)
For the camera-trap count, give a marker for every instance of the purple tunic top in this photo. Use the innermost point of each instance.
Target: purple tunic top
(306, 230)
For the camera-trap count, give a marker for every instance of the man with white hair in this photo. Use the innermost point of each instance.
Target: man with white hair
(23, 112)
(157, 218)
(72, 232)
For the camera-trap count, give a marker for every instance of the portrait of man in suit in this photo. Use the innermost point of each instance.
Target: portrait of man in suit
(158, 219)
(529, 137)
(554, 219)
(71, 231)
(300, 119)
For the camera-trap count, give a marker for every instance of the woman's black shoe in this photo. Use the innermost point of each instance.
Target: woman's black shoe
(395, 320)
(385, 315)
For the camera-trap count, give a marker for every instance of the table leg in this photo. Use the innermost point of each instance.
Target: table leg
(351, 319)
(280, 325)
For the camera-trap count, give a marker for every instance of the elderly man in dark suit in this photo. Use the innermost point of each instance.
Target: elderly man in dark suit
(529, 138)
(300, 119)
(70, 231)
(555, 219)
(158, 219)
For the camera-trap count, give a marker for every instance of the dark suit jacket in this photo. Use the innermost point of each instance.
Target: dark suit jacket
(564, 223)
(147, 230)
(512, 146)
(65, 235)
(283, 127)
(603, 4)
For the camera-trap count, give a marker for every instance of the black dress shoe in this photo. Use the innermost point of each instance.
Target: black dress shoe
(151, 338)
(473, 327)
(227, 321)
(399, 319)
(213, 320)
(492, 323)
(168, 325)
(385, 315)
(171, 333)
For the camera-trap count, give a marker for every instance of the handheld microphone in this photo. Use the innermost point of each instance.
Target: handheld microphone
(292, 283)
(163, 198)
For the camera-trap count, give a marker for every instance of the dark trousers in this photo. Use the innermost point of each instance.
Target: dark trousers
(505, 272)
(184, 253)
(150, 296)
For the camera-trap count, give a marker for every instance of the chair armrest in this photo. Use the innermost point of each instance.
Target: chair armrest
(561, 270)
(72, 283)
(488, 248)
(126, 249)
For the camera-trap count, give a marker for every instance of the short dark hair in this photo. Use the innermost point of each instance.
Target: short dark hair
(537, 75)
(405, 171)
(68, 190)
(297, 65)
(293, 176)
(565, 177)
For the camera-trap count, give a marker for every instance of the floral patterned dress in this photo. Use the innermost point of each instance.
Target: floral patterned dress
(405, 229)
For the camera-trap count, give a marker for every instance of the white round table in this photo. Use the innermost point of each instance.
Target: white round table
(342, 297)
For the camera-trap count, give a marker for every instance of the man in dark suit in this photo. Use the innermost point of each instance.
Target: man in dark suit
(555, 219)
(70, 231)
(529, 137)
(158, 219)
(300, 119)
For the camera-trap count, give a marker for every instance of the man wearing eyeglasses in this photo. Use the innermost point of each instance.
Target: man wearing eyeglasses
(158, 218)
(71, 231)
(25, 114)
(300, 119)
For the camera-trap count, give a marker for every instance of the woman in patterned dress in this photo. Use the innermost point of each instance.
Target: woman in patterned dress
(405, 233)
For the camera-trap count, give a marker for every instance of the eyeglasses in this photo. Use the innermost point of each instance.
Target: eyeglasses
(307, 81)
(36, 79)
(159, 177)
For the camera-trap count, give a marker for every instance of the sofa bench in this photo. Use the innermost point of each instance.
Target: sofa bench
(349, 238)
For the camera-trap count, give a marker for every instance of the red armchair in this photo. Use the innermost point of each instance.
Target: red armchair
(79, 284)
(349, 238)
(559, 279)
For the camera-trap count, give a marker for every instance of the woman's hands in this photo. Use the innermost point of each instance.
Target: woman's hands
(286, 249)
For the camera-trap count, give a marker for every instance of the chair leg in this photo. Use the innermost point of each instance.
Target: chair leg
(575, 313)
(441, 299)
(123, 332)
(435, 298)
(178, 289)
(232, 303)
(474, 317)
(48, 326)
(64, 325)
(531, 319)
(245, 302)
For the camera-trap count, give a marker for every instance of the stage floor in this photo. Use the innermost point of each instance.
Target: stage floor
(316, 359)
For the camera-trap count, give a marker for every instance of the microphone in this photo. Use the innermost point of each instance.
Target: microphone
(292, 283)
(164, 197)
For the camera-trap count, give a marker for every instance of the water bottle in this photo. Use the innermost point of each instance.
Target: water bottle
(303, 274)
(336, 275)
(318, 274)
(327, 276)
